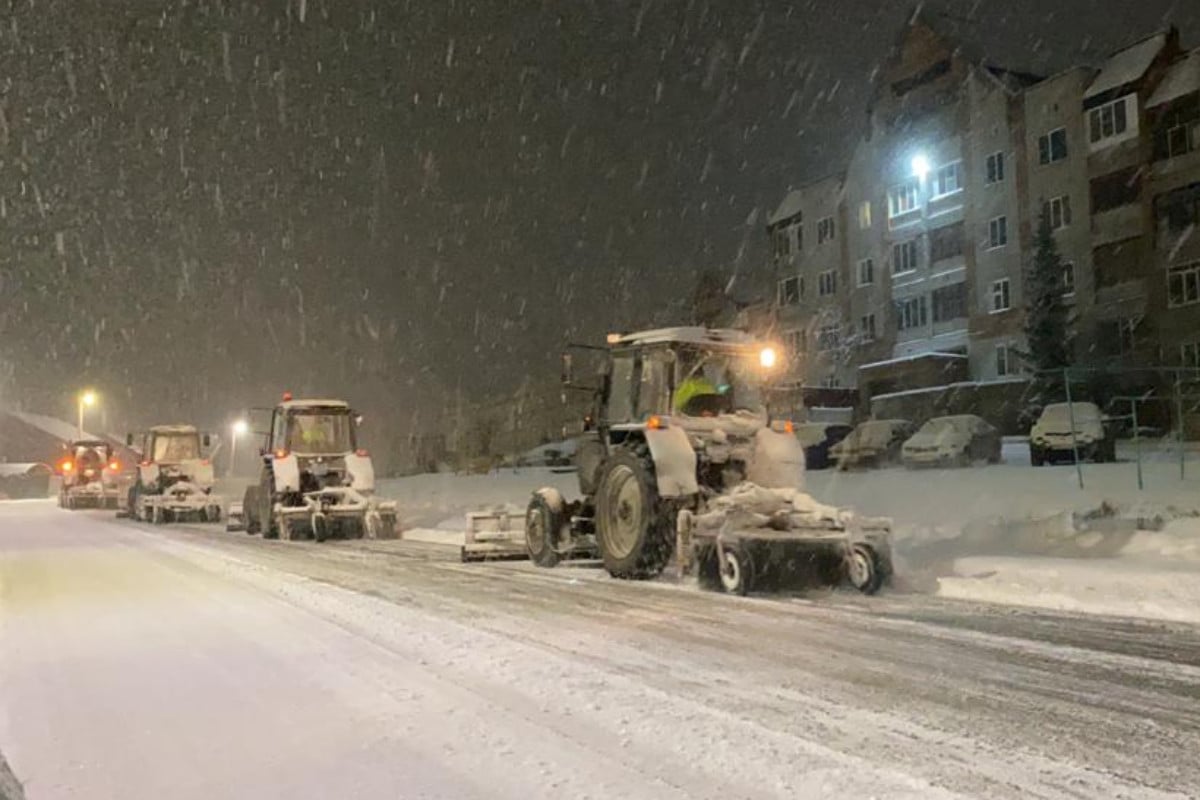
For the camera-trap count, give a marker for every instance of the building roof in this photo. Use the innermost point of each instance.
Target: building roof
(1182, 78)
(789, 208)
(1127, 66)
(687, 335)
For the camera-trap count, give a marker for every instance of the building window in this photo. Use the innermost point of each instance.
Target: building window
(995, 168)
(1053, 146)
(1183, 285)
(1068, 277)
(949, 302)
(1189, 355)
(903, 199)
(1004, 361)
(911, 313)
(864, 214)
(1180, 139)
(866, 329)
(825, 230)
(827, 283)
(1058, 211)
(1001, 301)
(947, 180)
(904, 257)
(795, 342)
(1116, 189)
(1117, 336)
(781, 243)
(789, 291)
(946, 242)
(831, 381)
(997, 233)
(1109, 121)
(1178, 210)
(866, 272)
(828, 337)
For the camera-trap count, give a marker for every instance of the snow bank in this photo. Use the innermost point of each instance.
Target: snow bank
(442, 500)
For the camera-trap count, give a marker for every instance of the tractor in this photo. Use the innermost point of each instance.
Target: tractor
(680, 457)
(89, 475)
(174, 480)
(315, 482)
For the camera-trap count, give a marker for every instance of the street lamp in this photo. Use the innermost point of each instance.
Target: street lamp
(238, 428)
(921, 166)
(86, 400)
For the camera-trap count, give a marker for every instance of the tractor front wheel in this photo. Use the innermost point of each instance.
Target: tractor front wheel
(864, 569)
(634, 527)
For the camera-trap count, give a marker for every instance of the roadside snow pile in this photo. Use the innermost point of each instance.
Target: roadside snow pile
(1105, 561)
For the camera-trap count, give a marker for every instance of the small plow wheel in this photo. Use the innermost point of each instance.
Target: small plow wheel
(863, 569)
(737, 570)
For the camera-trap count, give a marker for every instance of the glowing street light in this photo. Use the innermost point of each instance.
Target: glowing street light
(238, 428)
(921, 166)
(87, 399)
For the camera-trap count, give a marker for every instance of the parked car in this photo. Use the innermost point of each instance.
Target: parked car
(1050, 438)
(874, 443)
(817, 438)
(956, 441)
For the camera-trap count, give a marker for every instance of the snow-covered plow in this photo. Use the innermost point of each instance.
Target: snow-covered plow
(686, 461)
(755, 536)
(315, 482)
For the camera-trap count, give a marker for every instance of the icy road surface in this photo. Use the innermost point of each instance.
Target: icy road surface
(138, 662)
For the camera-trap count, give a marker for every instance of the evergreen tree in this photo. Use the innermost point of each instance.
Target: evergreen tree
(1046, 317)
(708, 299)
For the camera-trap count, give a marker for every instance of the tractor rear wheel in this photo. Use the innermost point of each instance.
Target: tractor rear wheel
(250, 505)
(542, 526)
(634, 527)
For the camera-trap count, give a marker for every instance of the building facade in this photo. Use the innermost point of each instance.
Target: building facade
(907, 269)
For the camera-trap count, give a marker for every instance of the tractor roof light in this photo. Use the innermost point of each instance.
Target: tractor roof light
(287, 397)
(281, 453)
(361, 452)
(115, 466)
(656, 423)
(767, 358)
(67, 466)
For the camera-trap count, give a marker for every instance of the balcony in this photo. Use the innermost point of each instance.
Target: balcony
(1117, 224)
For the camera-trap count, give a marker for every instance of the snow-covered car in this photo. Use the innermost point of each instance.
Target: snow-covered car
(956, 441)
(818, 438)
(1050, 439)
(874, 443)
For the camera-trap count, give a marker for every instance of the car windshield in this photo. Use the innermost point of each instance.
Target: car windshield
(712, 383)
(174, 447)
(320, 432)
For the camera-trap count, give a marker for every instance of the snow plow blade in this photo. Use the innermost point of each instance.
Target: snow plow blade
(235, 518)
(493, 536)
(772, 538)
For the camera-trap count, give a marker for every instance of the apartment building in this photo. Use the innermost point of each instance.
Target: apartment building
(936, 212)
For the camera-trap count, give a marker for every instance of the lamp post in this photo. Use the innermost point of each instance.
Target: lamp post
(87, 399)
(238, 428)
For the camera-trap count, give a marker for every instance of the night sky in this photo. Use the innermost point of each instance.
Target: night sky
(203, 203)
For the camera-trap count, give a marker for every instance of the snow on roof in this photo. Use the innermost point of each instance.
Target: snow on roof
(1181, 79)
(51, 426)
(1128, 65)
(688, 335)
(913, 357)
(789, 208)
(9, 470)
(173, 429)
(306, 403)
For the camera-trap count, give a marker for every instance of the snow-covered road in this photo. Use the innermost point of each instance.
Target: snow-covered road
(151, 663)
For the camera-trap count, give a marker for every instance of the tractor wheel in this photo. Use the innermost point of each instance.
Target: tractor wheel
(250, 510)
(266, 511)
(634, 528)
(283, 529)
(708, 571)
(542, 526)
(736, 569)
(320, 527)
(158, 516)
(864, 570)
